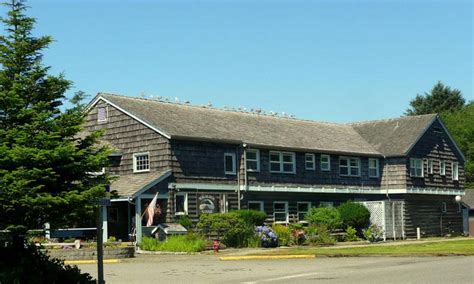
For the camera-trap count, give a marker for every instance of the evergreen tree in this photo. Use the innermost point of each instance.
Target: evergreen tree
(44, 157)
(440, 99)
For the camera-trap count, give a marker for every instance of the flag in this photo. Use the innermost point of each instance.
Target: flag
(151, 210)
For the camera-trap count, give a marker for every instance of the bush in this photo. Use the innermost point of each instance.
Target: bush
(373, 233)
(355, 215)
(184, 243)
(30, 265)
(185, 221)
(326, 216)
(283, 234)
(266, 236)
(251, 217)
(298, 236)
(351, 234)
(319, 234)
(235, 232)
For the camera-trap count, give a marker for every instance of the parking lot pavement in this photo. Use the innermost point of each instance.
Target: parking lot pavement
(209, 269)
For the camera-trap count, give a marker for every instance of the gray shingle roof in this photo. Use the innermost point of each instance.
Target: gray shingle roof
(469, 198)
(394, 137)
(184, 121)
(130, 185)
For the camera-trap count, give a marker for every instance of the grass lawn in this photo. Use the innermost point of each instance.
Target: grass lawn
(458, 247)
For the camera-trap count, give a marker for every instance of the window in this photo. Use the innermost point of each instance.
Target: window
(349, 166)
(325, 163)
(416, 167)
(455, 170)
(374, 168)
(253, 160)
(282, 162)
(309, 162)
(181, 203)
(280, 212)
(430, 166)
(102, 114)
(141, 162)
(326, 204)
(443, 207)
(442, 168)
(229, 163)
(303, 208)
(256, 205)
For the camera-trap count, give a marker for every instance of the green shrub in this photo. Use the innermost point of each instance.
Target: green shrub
(30, 265)
(185, 221)
(373, 233)
(184, 243)
(326, 216)
(355, 215)
(319, 234)
(283, 234)
(235, 232)
(351, 234)
(251, 217)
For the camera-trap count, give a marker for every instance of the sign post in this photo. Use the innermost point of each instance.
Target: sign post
(104, 202)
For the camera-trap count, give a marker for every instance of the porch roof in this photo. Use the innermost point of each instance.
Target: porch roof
(134, 184)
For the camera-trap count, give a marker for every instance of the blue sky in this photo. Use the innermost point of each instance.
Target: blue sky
(324, 60)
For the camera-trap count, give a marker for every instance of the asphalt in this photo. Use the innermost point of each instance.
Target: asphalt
(210, 269)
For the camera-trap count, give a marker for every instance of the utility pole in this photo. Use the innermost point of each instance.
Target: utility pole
(102, 208)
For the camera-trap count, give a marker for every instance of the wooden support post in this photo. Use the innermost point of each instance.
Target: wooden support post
(138, 219)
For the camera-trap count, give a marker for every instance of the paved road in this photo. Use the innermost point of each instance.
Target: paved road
(209, 269)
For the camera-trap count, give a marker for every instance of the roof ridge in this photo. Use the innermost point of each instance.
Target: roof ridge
(391, 119)
(223, 110)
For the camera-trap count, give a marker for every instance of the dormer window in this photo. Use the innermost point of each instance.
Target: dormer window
(141, 162)
(102, 114)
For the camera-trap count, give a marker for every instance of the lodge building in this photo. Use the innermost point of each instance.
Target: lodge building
(203, 160)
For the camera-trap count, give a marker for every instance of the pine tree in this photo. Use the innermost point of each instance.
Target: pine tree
(44, 157)
(441, 98)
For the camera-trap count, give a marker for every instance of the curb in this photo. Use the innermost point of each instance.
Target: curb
(267, 257)
(92, 261)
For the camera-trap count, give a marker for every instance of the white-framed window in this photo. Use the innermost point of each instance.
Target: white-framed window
(302, 208)
(282, 162)
(455, 170)
(444, 208)
(280, 212)
(325, 163)
(253, 160)
(255, 205)
(309, 162)
(416, 167)
(181, 203)
(349, 166)
(374, 168)
(326, 204)
(442, 168)
(141, 162)
(229, 164)
(102, 114)
(430, 166)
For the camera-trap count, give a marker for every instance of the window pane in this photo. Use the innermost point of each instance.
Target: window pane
(252, 165)
(279, 206)
(251, 155)
(343, 162)
(280, 217)
(287, 158)
(354, 171)
(142, 162)
(180, 204)
(229, 163)
(354, 162)
(102, 114)
(324, 158)
(303, 207)
(309, 158)
(344, 171)
(309, 165)
(275, 167)
(274, 157)
(288, 167)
